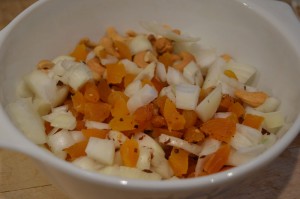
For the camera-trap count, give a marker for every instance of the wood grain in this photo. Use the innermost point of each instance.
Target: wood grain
(20, 179)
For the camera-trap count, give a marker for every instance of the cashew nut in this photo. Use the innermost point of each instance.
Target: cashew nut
(139, 59)
(163, 45)
(45, 65)
(253, 99)
(108, 45)
(186, 58)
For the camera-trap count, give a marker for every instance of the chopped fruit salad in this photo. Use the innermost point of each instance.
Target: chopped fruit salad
(151, 106)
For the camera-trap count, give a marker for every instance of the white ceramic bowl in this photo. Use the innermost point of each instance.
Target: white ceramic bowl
(265, 34)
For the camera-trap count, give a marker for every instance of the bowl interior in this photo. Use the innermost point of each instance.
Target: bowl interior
(53, 29)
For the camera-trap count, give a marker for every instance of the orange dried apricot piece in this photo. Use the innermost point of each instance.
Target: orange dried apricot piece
(78, 102)
(123, 50)
(130, 152)
(104, 90)
(91, 92)
(193, 134)
(97, 111)
(237, 109)
(98, 133)
(254, 121)
(221, 129)
(76, 150)
(115, 73)
(173, 118)
(80, 52)
(125, 123)
(190, 117)
(179, 161)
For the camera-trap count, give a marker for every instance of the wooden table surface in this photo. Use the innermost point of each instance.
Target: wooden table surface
(19, 178)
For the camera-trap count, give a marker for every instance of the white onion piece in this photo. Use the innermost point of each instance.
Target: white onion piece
(209, 146)
(254, 150)
(175, 77)
(133, 88)
(61, 119)
(41, 85)
(213, 74)
(236, 158)
(160, 165)
(271, 104)
(139, 43)
(42, 106)
(243, 71)
(144, 160)
(269, 140)
(22, 90)
(147, 141)
(187, 96)
(206, 57)
(101, 150)
(117, 137)
(61, 58)
(147, 72)
(232, 82)
(161, 72)
(77, 136)
(250, 88)
(199, 78)
(190, 72)
(226, 89)
(208, 107)
(253, 135)
(27, 119)
(60, 140)
(240, 141)
(87, 163)
(252, 111)
(131, 67)
(141, 98)
(90, 55)
(78, 76)
(118, 158)
(96, 125)
(168, 91)
(128, 172)
(222, 114)
(165, 32)
(273, 121)
(109, 59)
(199, 166)
(180, 143)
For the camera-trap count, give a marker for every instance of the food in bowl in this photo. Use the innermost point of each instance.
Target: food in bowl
(147, 106)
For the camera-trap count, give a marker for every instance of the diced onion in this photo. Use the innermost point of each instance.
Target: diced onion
(101, 150)
(147, 72)
(87, 163)
(209, 146)
(133, 88)
(161, 72)
(160, 165)
(271, 104)
(60, 140)
(108, 60)
(190, 71)
(243, 71)
(213, 74)
(175, 77)
(179, 143)
(251, 134)
(117, 137)
(61, 119)
(144, 160)
(168, 91)
(28, 120)
(130, 67)
(77, 136)
(129, 172)
(208, 107)
(96, 125)
(206, 57)
(139, 43)
(187, 96)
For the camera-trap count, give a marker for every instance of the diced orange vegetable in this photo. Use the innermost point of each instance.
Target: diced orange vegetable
(173, 118)
(98, 133)
(226, 57)
(123, 50)
(80, 124)
(115, 73)
(167, 59)
(217, 160)
(76, 150)
(125, 123)
(78, 102)
(190, 118)
(160, 102)
(128, 79)
(96, 111)
(80, 52)
(222, 129)
(91, 92)
(254, 121)
(179, 161)
(233, 117)
(104, 90)
(237, 108)
(205, 92)
(119, 108)
(114, 96)
(158, 121)
(130, 152)
(226, 102)
(193, 134)
(158, 84)
(144, 114)
(231, 74)
(158, 131)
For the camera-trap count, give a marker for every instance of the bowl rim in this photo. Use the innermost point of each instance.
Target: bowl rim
(183, 184)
